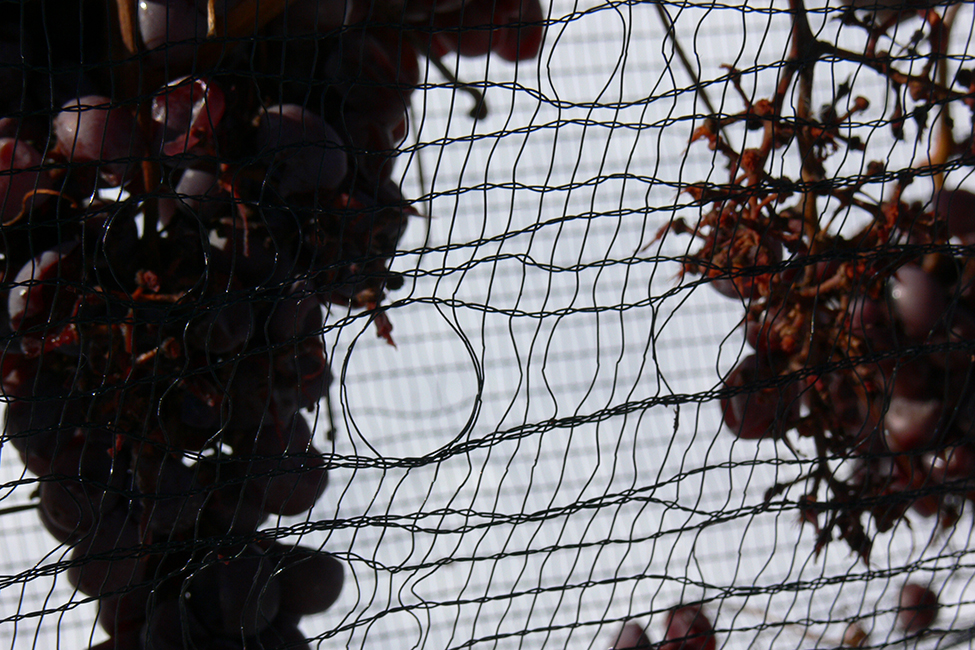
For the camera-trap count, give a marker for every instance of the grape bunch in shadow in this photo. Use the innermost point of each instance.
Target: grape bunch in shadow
(185, 186)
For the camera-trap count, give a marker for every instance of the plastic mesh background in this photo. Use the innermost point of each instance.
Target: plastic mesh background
(542, 457)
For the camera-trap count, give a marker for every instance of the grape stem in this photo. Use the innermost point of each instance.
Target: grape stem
(806, 50)
(480, 110)
(127, 25)
(945, 142)
(686, 62)
(9, 510)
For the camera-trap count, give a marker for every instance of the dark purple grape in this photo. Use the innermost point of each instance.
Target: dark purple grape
(187, 112)
(632, 637)
(928, 505)
(40, 295)
(755, 413)
(68, 508)
(84, 483)
(172, 498)
(742, 286)
(287, 474)
(18, 179)
(248, 395)
(414, 11)
(914, 378)
(172, 625)
(283, 632)
(688, 628)
(519, 31)
(375, 139)
(56, 530)
(167, 24)
(962, 325)
(201, 195)
(307, 153)
(379, 70)
(762, 334)
(88, 455)
(957, 209)
(30, 129)
(918, 608)
(951, 464)
(191, 412)
(195, 188)
(870, 321)
(467, 30)
(302, 377)
(234, 596)
(849, 406)
(225, 330)
(912, 425)
(903, 475)
(229, 508)
(107, 557)
(919, 301)
(109, 238)
(262, 263)
(296, 317)
(310, 580)
(38, 428)
(123, 615)
(92, 129)
(512, 29)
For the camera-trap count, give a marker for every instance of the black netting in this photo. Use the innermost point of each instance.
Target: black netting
(487, 324)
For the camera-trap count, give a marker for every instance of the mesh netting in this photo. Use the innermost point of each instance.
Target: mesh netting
(486, 324)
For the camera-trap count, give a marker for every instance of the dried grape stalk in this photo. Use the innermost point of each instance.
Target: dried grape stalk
(862, 341)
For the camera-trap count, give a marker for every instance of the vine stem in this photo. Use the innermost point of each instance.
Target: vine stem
(133, 81)
(126, 10)
(685, 61)
(805, 51)
(9, 510)
(480, 110)
(944, 143)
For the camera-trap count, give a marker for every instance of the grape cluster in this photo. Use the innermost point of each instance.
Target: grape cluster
(903, 405)
(860, 337)
(171, 232)
(892, 388)
(687, 627)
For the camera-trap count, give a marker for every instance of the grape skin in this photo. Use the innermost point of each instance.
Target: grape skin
(19, 158)
(688, 628)
(91, 130)
(234, 596)
(310, 580)
(165, 25)
(918, 608)
(307, 153)
(758, 413)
